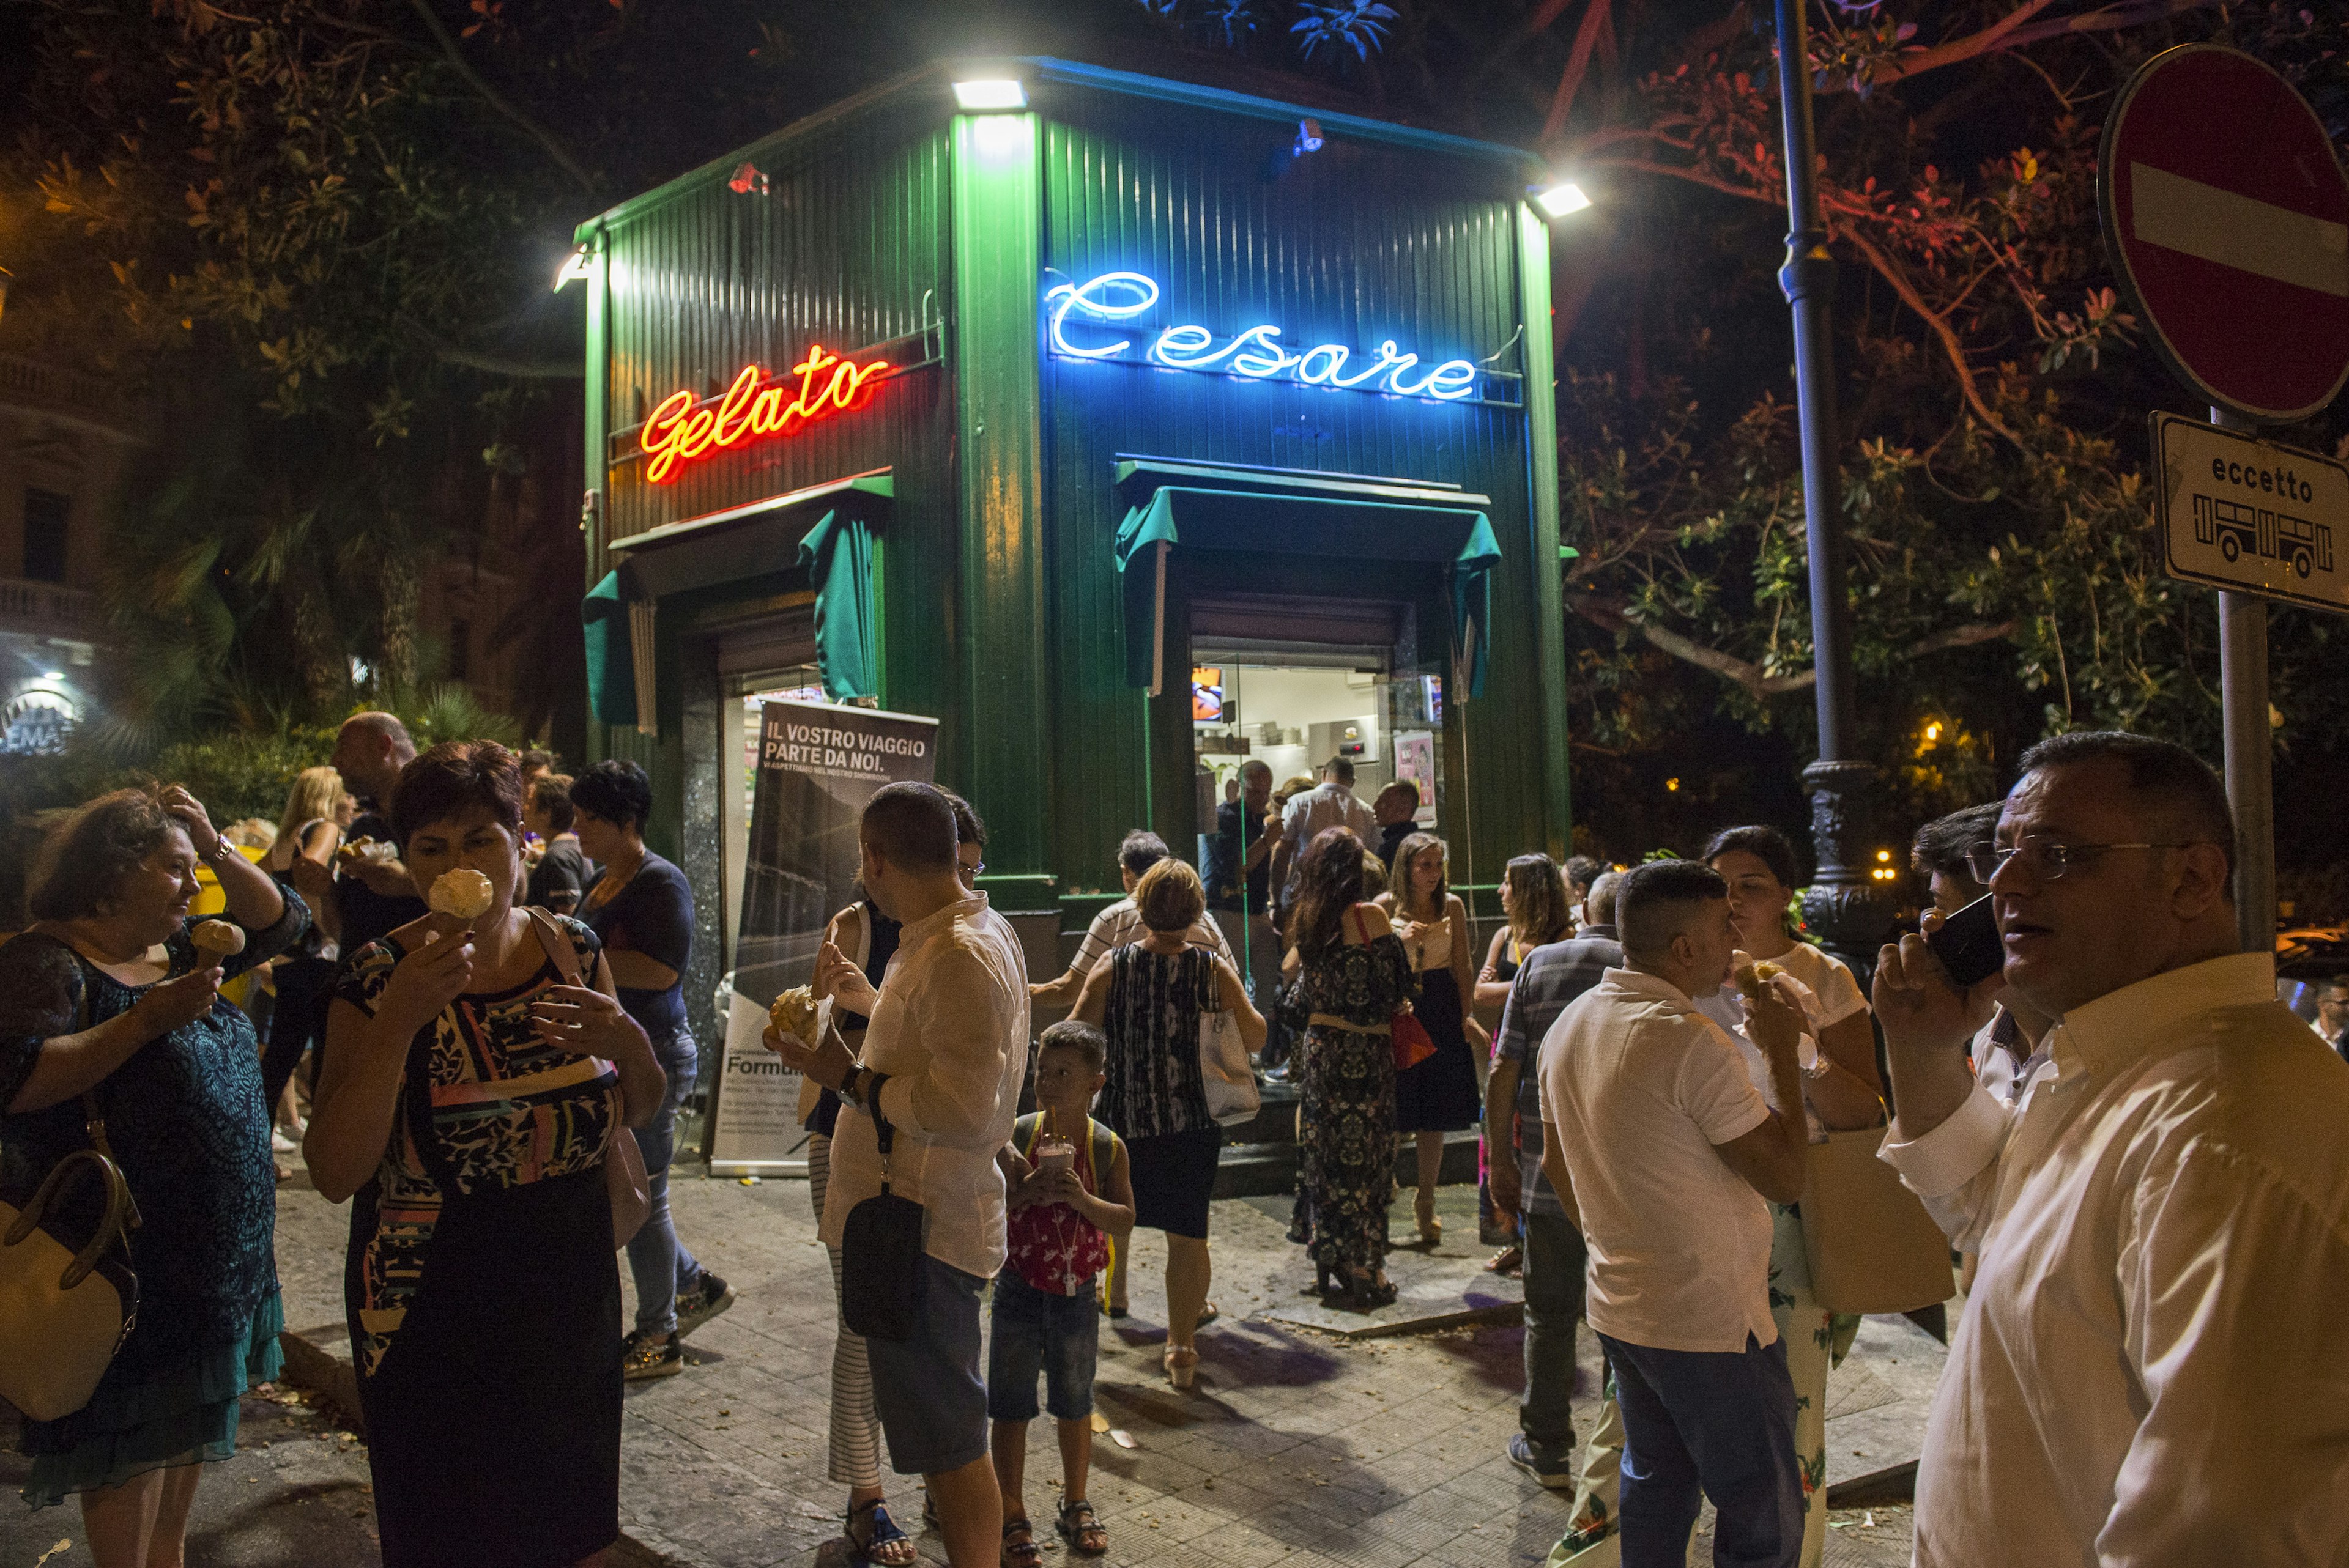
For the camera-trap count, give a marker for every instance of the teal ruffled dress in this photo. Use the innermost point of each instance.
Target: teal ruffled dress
(185, 1118)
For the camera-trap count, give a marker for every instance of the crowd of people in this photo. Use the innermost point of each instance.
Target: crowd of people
(2127, 1142)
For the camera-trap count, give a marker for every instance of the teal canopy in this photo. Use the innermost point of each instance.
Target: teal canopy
(611, 660)
(761, 540)
(838, 555)
(1459, 539)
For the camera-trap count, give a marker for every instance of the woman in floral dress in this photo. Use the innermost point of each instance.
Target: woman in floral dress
(1353, 975)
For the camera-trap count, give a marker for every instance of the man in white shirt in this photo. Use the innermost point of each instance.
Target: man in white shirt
(944, 1059)
(1328, 804)
(1120, 925)
(2150, 1366)
(1655, 1136)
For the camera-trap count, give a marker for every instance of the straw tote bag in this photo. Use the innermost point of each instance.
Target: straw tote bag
(1871, 1246)
(66, 1304)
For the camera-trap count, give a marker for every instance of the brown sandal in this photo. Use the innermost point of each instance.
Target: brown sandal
(1081, 1529)
(1022, 1552)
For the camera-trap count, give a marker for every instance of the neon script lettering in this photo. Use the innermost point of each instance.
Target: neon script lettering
(680, 431)
(1255, 354)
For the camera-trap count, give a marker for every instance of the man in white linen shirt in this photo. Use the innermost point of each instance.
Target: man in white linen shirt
(2150, 1369)
(1331, 803)
(1653, 1134)
(944, 1059)
(1120, 925)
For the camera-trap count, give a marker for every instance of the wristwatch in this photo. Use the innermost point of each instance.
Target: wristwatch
(221, 848)
(848, 1089)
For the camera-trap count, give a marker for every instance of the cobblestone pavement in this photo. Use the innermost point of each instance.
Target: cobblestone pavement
(1299, 1448)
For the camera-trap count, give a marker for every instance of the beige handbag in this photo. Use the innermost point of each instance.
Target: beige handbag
(1870, 1244)
(623, 1163)
(64, 1311)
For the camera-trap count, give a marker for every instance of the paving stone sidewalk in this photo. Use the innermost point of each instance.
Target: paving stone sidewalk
(1306, 1443)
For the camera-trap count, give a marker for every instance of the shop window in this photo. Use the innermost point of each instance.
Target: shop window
(46, 514)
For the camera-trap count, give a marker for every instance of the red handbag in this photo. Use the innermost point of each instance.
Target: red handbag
(1412, 1043)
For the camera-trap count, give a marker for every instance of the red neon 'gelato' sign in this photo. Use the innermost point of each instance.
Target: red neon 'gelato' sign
(753, 408)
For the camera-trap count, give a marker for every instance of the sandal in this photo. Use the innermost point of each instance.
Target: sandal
(1207, 1314)
(883, 1545)
(1508, 1261)
(1182, 1364)
(1022, 1552)
(1369, 1294)
(1081, 1529)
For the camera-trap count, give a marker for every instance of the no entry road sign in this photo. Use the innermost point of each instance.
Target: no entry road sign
(2239, 512)
(2228, 217)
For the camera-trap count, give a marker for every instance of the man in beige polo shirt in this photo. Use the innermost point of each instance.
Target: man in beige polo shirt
(1659, 1142)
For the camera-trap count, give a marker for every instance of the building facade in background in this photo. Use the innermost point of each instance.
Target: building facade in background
(62, 448)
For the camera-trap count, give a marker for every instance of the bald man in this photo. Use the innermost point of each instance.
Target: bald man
(372, 896)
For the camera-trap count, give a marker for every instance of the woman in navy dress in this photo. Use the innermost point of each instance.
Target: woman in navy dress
(106, 997)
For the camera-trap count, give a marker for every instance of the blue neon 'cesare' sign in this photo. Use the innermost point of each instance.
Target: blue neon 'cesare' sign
(1113, 299)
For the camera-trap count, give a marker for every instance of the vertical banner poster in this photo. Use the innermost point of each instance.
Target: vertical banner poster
(817, 767)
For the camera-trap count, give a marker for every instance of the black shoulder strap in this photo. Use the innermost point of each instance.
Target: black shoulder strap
(883, 1130)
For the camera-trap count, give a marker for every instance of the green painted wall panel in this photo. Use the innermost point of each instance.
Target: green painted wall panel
(998, 737)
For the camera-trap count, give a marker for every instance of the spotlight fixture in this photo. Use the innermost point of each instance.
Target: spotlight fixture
(1561, 199)
(574, 266)
(1309, 138)
(993, 94)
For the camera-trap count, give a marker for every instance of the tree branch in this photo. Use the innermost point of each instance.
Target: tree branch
(489, 94)
(1614, 617)
(1940, 324)
(2009, 34)
(498, 365)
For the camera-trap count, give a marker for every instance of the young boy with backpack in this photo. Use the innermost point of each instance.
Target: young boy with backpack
(1070, 1201)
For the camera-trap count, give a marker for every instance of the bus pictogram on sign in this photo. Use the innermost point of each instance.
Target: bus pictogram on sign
(2239, 529)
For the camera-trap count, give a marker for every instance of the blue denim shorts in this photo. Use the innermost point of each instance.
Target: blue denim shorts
(925, 1390)
(1058, 1336)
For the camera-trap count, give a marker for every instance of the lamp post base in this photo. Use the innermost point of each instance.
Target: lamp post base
(1844, 907)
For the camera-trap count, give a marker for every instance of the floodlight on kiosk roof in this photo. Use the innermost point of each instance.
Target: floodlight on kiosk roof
(1560, 199)
(989, 93)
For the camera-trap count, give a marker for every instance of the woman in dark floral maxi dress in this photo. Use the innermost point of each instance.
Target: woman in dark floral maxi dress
(1353, 976)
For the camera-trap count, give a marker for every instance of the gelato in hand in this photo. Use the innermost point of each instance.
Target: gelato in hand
(464, 892)
(217, 938)
(795, 1013)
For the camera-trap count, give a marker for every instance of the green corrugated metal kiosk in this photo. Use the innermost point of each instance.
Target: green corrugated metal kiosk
(1123, 430)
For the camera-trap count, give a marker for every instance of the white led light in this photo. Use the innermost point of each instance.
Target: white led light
(1561, 199)
(990, 94)
(574, 266)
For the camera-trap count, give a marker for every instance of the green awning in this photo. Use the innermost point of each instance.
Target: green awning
(611, 661)
(1457, 538)
(825, 531)
(838, 555)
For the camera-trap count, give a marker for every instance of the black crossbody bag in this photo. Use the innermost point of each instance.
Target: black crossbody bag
(881, 1251)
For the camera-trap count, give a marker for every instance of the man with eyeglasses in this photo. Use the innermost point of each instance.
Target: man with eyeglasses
(2149, 1369)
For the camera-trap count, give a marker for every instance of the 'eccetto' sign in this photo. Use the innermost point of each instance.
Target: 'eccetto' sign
(683, 428)
(1256, 353)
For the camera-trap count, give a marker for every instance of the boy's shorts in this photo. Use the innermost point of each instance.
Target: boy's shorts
(1059, 1336)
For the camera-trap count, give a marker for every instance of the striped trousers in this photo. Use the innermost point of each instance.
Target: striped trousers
(855, 1449)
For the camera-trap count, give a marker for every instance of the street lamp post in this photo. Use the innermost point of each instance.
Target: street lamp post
(1844, 904)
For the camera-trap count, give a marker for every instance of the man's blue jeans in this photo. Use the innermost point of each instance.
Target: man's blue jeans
(1700, 1424)
(657, 1261)
(1554, 1260)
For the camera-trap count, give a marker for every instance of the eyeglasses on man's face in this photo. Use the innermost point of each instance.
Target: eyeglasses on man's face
(969, 870)
(2048, 859)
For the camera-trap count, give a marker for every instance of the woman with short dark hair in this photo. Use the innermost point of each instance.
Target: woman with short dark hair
(1147, 997)
(642, 908)
(470, 1098)
(95, 1032)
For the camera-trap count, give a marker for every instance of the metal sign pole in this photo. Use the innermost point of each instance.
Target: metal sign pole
(2251, 746)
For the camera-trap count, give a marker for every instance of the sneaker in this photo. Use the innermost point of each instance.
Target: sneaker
(709, 1296)
(281, 1143)
(1556, 1474)
(641, 1361)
